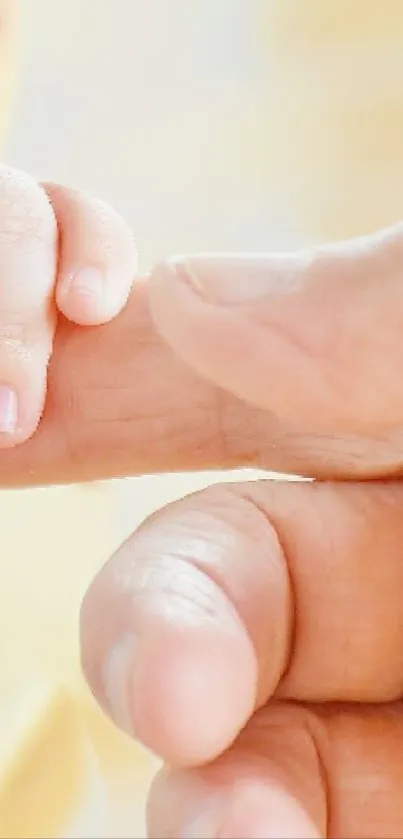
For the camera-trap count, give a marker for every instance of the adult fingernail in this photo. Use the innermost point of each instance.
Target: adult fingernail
(118, 673)
(8, 410)
(87, 281)
(229, 280)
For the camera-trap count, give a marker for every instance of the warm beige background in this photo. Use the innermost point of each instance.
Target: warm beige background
(155, 105)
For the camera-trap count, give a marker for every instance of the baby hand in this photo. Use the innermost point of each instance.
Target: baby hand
(60, 252)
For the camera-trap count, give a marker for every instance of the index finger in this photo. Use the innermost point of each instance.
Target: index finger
(120, 402)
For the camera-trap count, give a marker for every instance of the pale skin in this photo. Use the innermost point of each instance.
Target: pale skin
(251, 634)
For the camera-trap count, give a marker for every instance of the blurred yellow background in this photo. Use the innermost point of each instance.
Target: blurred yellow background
(212, 125)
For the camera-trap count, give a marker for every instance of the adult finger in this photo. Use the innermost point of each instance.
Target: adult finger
(240, 593)
(295, 771)
(313, 337)
(121, 402)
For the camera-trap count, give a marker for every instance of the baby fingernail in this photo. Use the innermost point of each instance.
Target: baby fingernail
(118, 680)
(8, 410)
(88, 281)
(241, 280)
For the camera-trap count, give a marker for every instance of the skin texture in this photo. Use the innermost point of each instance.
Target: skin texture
(121, 401)
(53, 241)
(277, 607)
(250, 634)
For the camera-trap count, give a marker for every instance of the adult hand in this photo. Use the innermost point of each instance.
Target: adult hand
(250, 634)
(320, 357)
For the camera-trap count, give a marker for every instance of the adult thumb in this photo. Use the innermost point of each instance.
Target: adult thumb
(314, 336)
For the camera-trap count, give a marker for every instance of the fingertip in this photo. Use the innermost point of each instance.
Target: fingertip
(178, 674)
(186, 695)
(81, 297)
(187, 646)
(255, 325)
(22, 403)
(97, 257)
(91, 296)
(235, 797)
